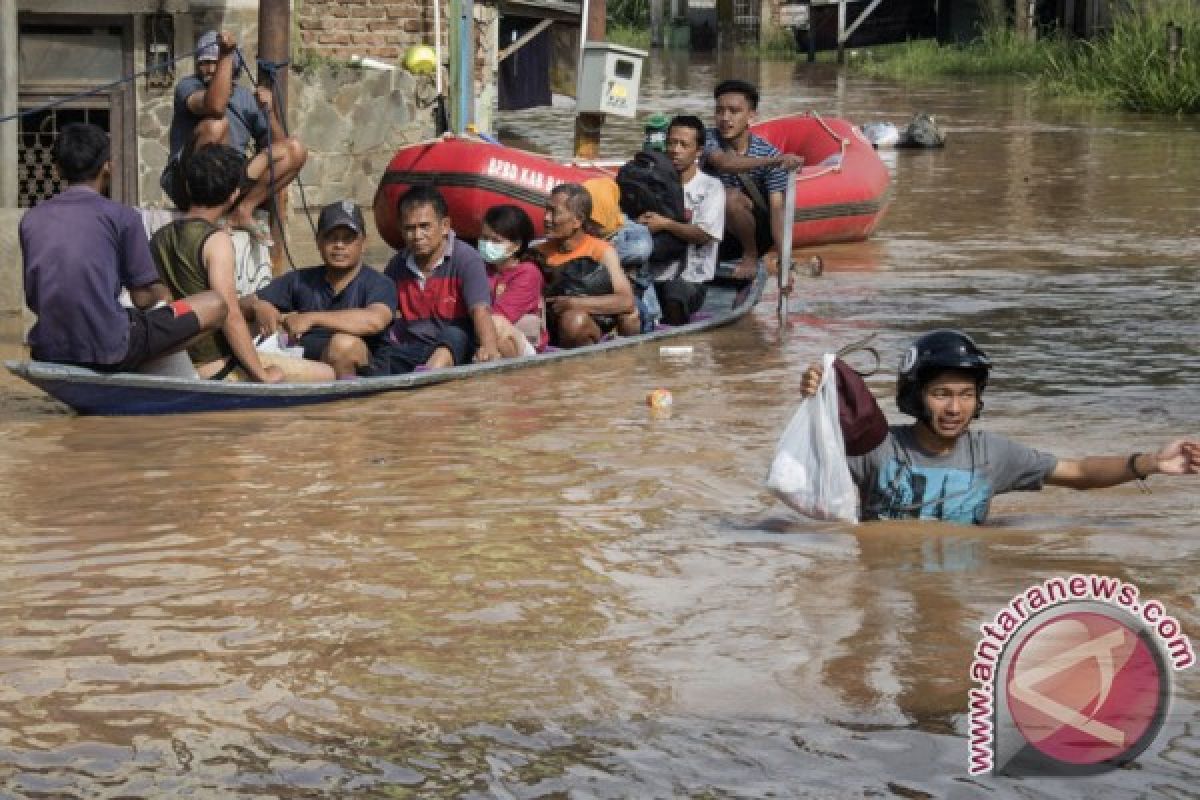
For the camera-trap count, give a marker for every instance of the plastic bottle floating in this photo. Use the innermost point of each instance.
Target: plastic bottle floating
(659, 399)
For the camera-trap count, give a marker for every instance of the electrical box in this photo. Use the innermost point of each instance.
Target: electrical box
(609, 79)
(795, 15)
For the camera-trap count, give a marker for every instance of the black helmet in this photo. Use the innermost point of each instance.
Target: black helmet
(931, 354)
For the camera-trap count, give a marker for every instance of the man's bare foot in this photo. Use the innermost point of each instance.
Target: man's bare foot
(259, 229)
(746, 268)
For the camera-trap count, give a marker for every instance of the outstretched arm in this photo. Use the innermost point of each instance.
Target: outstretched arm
(1180, 457)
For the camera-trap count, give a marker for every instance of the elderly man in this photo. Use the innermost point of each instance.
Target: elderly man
(582, 315)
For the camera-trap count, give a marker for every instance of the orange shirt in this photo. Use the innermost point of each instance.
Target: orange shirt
(606, 205)
(590, 247)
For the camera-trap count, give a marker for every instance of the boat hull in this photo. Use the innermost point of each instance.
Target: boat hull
(125, 394)
(835, 202)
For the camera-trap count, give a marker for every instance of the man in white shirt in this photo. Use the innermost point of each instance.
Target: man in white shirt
(681, 285)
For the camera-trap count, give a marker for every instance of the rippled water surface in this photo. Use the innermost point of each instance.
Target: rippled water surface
(527, 586)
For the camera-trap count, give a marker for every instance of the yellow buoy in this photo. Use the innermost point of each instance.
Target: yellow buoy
(659, 399)
(420, 59)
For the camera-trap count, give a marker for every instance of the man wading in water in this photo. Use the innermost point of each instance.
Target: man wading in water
(938, 469)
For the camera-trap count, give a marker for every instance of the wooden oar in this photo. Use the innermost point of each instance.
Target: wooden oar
(785, 247)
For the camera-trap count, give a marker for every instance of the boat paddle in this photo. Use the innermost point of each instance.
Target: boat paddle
(785, 247)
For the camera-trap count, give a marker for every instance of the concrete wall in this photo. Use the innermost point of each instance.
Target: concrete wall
(353, 120)
(12, 296)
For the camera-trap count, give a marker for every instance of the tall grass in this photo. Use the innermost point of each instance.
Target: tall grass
(999, 50)
(629, 35)
(1129, 67)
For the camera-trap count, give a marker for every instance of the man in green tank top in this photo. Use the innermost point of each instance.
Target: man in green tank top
(193, 254)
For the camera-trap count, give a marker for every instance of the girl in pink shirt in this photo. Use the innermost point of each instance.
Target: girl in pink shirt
(516, 278)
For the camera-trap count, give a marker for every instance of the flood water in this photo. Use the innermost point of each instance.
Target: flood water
(527, 586)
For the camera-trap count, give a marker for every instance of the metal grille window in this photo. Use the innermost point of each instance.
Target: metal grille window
(746, 18)
(37, 179)
(60, 56)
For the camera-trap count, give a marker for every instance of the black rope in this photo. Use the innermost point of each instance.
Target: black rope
(99, 89)
(270, 68)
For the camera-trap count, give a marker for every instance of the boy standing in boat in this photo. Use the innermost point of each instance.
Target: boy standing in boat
(211, 108)
(443, 298)
(193, 255)
(79, 249)
(754, 172)
(337, 311)
(682, 285)
(583, 319)
(938, 469)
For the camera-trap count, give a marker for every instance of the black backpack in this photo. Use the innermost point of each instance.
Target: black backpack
(649, 182)
(579, 277)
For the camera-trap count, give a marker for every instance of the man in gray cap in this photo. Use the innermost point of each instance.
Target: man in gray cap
(338, 311)
(211, 108)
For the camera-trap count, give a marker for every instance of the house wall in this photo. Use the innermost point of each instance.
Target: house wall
(352, 119)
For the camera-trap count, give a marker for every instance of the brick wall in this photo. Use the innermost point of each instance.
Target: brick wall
(379, 28)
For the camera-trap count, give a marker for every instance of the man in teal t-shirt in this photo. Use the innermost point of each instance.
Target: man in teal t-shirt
(938, 469)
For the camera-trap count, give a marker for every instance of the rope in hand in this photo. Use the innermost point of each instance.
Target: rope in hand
(270, 69)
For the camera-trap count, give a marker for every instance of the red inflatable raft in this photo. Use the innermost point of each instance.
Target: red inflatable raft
(841, 193)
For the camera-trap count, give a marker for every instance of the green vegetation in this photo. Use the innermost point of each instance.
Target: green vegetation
(628, 14)
(1130, 68)
(629, 35)
(998, 51)
(1127, 67)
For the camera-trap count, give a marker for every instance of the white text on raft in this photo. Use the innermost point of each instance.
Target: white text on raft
(506, 170)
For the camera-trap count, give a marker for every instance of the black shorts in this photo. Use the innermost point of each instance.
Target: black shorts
(607, 323)
(156, 332)
(398, 358)
(679, 299)
(317, 340)
(731, 248)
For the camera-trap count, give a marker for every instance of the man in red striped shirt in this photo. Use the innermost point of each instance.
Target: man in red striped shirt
(443, 313)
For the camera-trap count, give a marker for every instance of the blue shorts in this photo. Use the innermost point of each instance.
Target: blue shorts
(399, 358)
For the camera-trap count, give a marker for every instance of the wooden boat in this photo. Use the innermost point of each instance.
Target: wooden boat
(841, 194)
(89, 392)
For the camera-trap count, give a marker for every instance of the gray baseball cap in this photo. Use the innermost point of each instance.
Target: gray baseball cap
(342, 214)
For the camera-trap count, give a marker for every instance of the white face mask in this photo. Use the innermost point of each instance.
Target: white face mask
(493, 252)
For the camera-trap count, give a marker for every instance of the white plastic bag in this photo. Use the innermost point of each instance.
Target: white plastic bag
(279, 344)
(809, 472)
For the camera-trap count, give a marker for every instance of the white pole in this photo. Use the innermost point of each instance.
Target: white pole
(437, 41)
(785, 247)
(583, 19)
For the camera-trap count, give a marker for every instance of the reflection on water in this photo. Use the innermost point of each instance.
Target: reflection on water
(528, 585)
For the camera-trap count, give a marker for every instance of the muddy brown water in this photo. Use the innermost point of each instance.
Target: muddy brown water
(528, 586)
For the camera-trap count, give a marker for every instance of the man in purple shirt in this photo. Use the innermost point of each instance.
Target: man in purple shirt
(79, 249)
